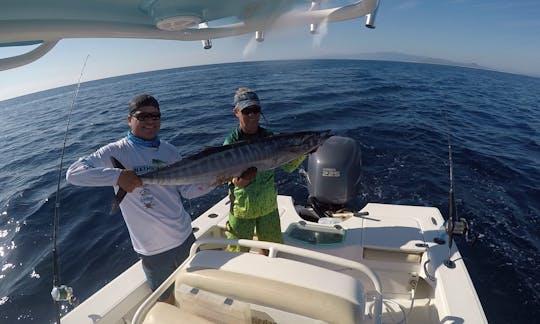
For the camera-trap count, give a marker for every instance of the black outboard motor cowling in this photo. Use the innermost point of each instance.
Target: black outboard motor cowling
(334, 172)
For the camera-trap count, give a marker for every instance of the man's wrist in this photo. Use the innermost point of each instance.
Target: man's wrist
(240, 182)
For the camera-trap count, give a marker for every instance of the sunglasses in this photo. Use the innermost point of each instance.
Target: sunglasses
(250, 110)
(146, 116)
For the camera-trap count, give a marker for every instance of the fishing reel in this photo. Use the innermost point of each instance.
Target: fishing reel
(63, 293)
(463, 228)
(460, 227)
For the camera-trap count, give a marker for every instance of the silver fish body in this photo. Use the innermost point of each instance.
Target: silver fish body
(228, 161)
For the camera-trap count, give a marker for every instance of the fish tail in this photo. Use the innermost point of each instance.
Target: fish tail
(121, 192)
(118, 199)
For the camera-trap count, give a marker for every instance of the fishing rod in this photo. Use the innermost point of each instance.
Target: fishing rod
(59, 292)
(451, 203)
(453, 226)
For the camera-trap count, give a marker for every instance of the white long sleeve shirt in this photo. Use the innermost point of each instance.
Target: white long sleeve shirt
(154, 214)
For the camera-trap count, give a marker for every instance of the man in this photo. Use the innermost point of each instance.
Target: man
(158, 225)
(253, 195)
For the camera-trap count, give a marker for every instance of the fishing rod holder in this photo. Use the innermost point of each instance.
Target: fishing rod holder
(449, 263)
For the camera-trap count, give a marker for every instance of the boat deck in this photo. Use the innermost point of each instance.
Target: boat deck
(395, 242)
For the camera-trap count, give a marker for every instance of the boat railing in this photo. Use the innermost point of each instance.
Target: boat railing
(274, 249)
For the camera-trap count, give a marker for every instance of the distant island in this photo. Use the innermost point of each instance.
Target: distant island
(401, 57)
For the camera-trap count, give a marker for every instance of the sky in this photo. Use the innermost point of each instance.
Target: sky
(495, 34)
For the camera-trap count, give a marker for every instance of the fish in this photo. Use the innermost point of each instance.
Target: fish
(214, 164)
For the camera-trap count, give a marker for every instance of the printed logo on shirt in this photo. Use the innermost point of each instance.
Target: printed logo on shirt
(144, 169)
(158, 163)
(148, 168)
(147, 199)
(86, 163)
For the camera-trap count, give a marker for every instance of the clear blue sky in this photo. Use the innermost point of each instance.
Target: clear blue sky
(500, 35)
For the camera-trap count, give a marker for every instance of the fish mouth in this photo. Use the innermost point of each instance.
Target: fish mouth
(327, 133)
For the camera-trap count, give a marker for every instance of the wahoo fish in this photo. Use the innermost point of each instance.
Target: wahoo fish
(225, 162)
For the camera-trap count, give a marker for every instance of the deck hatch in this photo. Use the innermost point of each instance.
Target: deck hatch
(315, 234)
(391, 256)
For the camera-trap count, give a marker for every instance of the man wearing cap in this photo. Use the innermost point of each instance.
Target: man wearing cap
(158, 225)
(253, 195)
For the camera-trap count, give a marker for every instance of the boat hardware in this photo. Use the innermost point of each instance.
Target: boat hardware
(259, 36)
(314, 28)
(207, 43)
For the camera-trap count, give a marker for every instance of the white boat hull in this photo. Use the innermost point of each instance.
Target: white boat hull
(396, 242)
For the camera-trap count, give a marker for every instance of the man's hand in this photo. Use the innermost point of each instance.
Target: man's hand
(245, 178)
(249, 174)
(220, 181)
(128, 180)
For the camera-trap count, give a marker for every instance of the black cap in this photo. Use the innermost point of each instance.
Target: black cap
(141, 101)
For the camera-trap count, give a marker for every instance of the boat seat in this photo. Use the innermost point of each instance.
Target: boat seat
(283, 284)
(165, 313)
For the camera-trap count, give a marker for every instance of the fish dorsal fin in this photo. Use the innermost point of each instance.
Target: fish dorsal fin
(215, 149)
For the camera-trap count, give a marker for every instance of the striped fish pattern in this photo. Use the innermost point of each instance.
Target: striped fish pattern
(228, 161)
(215, 164)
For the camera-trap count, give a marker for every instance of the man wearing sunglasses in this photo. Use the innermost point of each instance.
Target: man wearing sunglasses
(253, 194)
(158, 225)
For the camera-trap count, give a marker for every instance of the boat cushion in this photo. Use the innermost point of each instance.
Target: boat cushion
(165, 313)
(280, 283)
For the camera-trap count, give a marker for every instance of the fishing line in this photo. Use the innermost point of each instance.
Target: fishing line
(62, 292)
(264, 118)
(451, 207)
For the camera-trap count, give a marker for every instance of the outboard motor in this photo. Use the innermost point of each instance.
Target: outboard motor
(334, 172)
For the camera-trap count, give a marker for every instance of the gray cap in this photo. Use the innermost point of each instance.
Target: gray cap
(244, 98)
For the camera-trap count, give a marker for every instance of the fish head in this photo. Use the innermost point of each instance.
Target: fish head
(319, 138)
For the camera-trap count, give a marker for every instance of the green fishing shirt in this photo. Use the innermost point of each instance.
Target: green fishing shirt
(259, 197)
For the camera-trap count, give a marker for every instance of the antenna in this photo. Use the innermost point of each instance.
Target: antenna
(62, 292)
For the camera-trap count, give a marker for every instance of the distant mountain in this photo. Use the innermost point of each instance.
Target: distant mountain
(400, 57)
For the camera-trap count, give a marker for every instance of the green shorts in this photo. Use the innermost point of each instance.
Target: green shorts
(267, 228)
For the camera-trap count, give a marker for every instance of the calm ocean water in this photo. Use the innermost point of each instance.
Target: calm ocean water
(396, 111)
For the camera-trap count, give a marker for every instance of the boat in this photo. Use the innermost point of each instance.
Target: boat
(384, 263)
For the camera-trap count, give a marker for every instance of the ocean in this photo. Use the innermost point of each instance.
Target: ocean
(401, 114)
